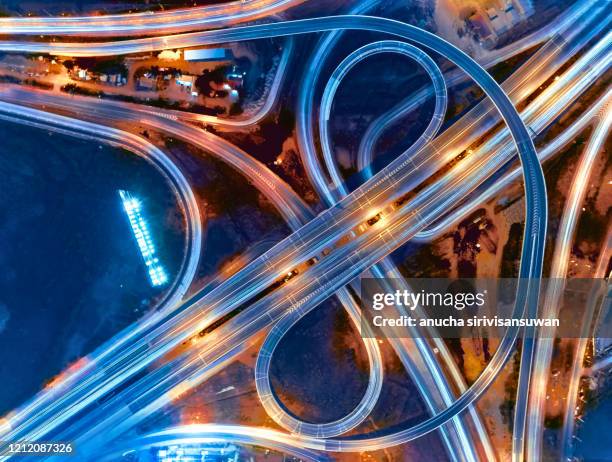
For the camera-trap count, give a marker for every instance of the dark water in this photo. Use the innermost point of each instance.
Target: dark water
(591, 446)
(71, 274)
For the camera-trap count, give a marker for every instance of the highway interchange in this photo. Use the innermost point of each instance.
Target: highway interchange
(124, 358)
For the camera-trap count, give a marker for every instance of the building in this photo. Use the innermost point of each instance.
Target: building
(482, 27)
(499, 20)
(489, 24)
(116, 79)
(186, 80)
(169, 55)
(208, 54)
(211, 452)
(524, 8)
(235, 78)
(83, 74)
(147, 83)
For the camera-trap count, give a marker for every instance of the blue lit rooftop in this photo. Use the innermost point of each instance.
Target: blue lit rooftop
(140, 229)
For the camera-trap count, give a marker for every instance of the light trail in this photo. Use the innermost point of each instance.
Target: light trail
(581, 74)
(387, 46)
(148, 23)
(291, 207)
(578, 370)
(141, 147)
(254, 119)
(419, 362)
(214, 352)
(416, 356)
(570, 25)
(536, 207)
(205, 433)
(528, 351)
(542, 58)
(293, 424)
(558, 273)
